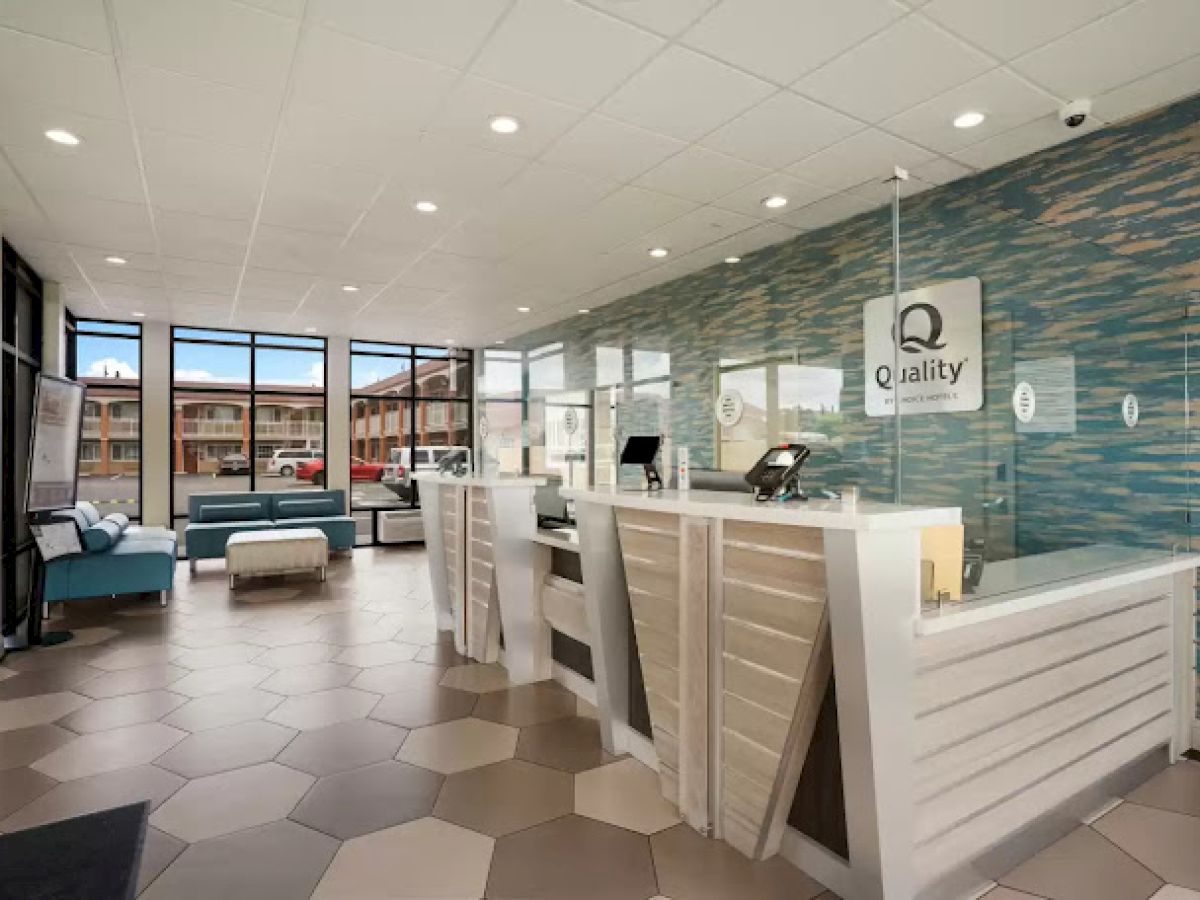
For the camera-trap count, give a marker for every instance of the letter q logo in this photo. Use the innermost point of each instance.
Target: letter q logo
(925, 332)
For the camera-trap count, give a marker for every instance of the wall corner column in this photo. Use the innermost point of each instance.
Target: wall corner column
(337, 415)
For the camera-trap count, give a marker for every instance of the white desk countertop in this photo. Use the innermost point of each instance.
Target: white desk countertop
(480, 480)
(562, 538)
(865, 515)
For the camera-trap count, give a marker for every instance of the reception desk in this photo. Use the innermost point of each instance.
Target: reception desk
(951, 739)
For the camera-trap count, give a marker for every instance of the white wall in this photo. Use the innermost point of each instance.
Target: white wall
(54, 323)
(157, 465)
(337, 425)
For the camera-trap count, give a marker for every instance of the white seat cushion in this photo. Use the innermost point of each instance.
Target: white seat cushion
(275, 551)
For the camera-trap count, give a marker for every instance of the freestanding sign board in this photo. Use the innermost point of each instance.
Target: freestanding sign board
(939, 335)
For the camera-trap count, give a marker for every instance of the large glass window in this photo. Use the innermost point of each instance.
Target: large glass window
(248, 414)
(107, 357)
(409, 407)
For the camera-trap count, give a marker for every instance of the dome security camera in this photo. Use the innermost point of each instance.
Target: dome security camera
(1075, 113)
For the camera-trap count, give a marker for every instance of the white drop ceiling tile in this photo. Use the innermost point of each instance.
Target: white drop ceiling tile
(197, 176)
(547, 191)
(685, 95)
(393, 218)
(202, 237)
(195, 275)
(92, 261)
(212, 301)
(667, 17)
(782, 39)
(82, 80)
(136, 277)
(1170, 84)
(444, 271)
(1012, 27)
(368, 81)
(367, 259)
(694, 230)
(482, 239)
(906, 64)
(470, 106)
(267, 285)
(862, 156)
(941, 171)
(748, 200)
(881, 193)
(445, 31)
(293, 8)
(323, 135)
(782, 129)
(1006, 100)
(78, 22)
(306, 195)
(700, 174)
(290, 250)
(218, 40)
(109, 176)
(184, 104)
(606, 148)
(1023, 140)
(80, 219)
(1133, 42)
(563, 50)
(24, 222)
(443, 170)
(762, 235)
(404, 297)
(630, 210)
(115, 292)
(828, 211)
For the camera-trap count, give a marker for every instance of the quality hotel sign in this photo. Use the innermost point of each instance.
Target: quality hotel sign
(939, 336)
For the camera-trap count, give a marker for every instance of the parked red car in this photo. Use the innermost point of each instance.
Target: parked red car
(314, 471)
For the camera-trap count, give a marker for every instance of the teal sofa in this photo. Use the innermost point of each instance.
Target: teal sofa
(117, 558)
(214, 517)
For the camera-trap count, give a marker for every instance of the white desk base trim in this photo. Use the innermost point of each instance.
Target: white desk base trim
(574, 682)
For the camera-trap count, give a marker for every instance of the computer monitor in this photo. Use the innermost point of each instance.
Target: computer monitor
(642, 450)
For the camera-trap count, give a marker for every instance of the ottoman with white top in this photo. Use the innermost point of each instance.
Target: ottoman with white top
(276, 551)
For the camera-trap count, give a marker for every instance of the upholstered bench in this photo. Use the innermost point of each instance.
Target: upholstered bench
(276, 551)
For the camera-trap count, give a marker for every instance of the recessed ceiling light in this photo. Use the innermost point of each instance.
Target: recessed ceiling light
(659, 252)
(522, 309)
(310, 330)
(425, 206)
(504, 125)
(449, 340)
(139, 315)
(584, 312)
(499, 342)
(350, 288)
(775, 201)
(969, 120)
(115, 260)
(60, 136)
(733, 259)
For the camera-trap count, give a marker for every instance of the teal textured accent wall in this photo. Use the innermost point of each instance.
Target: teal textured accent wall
(1089, 249)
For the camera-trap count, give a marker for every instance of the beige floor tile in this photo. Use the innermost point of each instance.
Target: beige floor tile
(996, 893)
(220, 804)
(135, 657)
(131, 681)
(25, 745)
(46, 681)
(220, 655)
(1083, 866)
(477, 677)
(158, 851)
(6, 673)
(505, 797)
(216, 710)
(88, 795)
(1167, 843)
(410, 862)
(459, 745)
(1174, 892)
(85, 637)
(344, 746)
(117, 712)
(323, 708)
(104, 751)
(309, 679)
(43, 709)
(627, 794)
(526, 704)
(424, 706)
(229, 747)
(211, 637)
(20, 787)
(1176, 788)
(401, 676)
(225, 678)
(354, 803)
(297, 655)
(381, 653)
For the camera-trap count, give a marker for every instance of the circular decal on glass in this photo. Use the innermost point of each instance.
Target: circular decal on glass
(483, 427)
(729, 408)
(571, 421)
(1129, 410)
(1024, 402)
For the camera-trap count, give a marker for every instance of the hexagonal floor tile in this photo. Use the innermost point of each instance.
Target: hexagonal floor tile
(131, 681)
(225, 748)
(690, 865)
(135, 657)
(505, 797)
(572, 745)
(459, 745)
(399, 676)
(279, 861)
(217, 710)
(477, 677)
(19, 787)
(418, 860)
(217, 656)
(104, 751)
(344, 746)
(360, 801)
(322, 708)
(128, 709)
(591, 861)
(23, 746)
(159, 850)
(220, 804)
(424, 706)
(38, 710)
(378, 654)
(527, 704)
(442, 654)
(309, 679)
(224, 678)
(97, 792)
(297, 655)
(627, 794)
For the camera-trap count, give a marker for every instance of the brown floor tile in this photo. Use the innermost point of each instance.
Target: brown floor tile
(297, 655)
(347, 745)
(309, 679)
(358, 802)
(997, 893)
(45, 681)
(322, 708)
(19, 787)
(1083, 866)
(279, 861)
(40, 658)
(1167, 843)
(229, 747)
(572, 745)
(572, 858)
(131, 681)
(104, 751)
(217, 710)
(158, 852)
(117, 712)
(697, 868)
(395, 677)
(88, 795)
(1176, 788)
(237, 677)
(506, 797)
(26, 745)
(424, 706)
(442, 654)
(528, 704)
